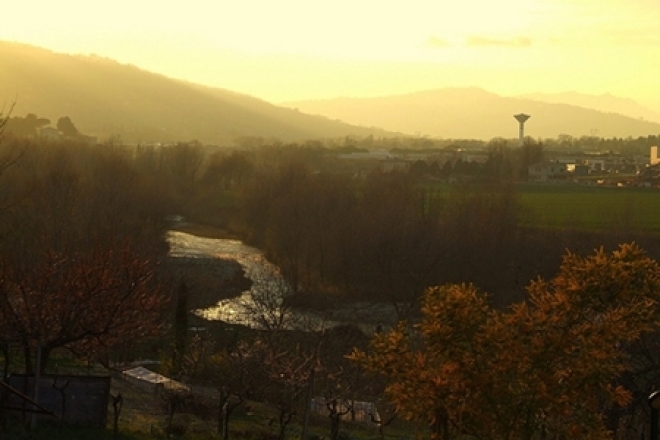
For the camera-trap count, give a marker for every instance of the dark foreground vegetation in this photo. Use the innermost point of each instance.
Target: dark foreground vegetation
(562, 346)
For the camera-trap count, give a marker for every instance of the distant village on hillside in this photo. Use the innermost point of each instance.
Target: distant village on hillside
(606, 168)
(561, 166)
(584, 167)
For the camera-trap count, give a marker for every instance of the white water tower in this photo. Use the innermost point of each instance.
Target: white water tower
(521, 118)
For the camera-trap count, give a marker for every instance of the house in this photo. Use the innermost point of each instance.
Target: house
(548, 172)
(71, 399)
(50, 132)
(654, 159)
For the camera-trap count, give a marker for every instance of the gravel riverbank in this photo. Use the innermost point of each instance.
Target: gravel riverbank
(208, 280)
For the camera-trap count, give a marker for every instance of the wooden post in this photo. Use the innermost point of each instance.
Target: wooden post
(37, 379)
(308, 400)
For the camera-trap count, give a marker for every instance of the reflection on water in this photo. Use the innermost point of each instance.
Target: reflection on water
(264, 304)
(188, 245)
(257, 268)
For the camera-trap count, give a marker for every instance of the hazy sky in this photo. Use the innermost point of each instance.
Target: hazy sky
(282, 50)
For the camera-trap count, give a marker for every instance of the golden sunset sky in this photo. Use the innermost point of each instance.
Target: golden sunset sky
(282, 50)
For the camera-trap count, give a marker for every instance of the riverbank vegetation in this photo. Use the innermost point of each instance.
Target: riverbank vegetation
(85, 274)
(557, 365)
(385, 235)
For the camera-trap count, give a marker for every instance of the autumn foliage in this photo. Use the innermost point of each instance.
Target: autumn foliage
(82, 300)
(544, 368)
(80, 246)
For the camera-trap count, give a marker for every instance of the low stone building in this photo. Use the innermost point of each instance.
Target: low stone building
(548, 172)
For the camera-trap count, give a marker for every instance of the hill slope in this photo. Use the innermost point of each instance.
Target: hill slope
(478, 114)
(105, 98)
(605, 103)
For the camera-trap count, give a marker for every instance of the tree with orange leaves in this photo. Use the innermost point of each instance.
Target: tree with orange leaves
(82, 299)
(80, 245)
(545, 368)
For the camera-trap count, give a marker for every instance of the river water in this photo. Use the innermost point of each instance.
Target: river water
(257, 268)
(264, 305)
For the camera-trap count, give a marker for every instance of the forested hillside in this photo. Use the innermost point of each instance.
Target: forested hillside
(108, 99)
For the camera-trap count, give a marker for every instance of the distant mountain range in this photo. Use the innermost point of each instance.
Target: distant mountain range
(605, 103)
(105, 98)
(478, 114)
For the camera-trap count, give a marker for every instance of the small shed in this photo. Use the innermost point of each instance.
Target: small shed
(74, 400)
(151, 380)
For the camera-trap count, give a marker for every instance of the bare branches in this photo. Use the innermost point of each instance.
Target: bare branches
(81, 300)
(4, 119)
(7, 160)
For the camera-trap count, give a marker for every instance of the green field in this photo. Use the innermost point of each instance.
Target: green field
(591, 207)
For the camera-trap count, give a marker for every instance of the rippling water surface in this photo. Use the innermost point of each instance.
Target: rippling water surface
(263, 304)
(257, 268)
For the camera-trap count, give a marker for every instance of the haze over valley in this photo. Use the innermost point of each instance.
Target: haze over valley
(108, 99)
(320, 219)
(293, 51)
(474, 113)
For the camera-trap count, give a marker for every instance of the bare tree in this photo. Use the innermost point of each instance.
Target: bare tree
(229, 401)
(4, 119)
(80, 300)
(384, 416)
(117, 406)
(8, 158)
(336, 410)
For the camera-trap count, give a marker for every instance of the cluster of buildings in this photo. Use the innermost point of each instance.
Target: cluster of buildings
(592, 168)
(596, 168)
(585, 168)
(53, 134)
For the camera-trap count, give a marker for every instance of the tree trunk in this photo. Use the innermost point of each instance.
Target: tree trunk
(27, 354)
(222, 414)
(43, 359)
(286, 415)
(117, 404)
(440, 426)
(224, 422)
(226, 409)
(335, 420)
(6, 353)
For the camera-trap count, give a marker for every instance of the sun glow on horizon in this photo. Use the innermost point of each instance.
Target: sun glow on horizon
(296, 49)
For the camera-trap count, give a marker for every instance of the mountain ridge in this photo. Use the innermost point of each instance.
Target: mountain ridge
(105, 98)
(473, 112)
(605, 102)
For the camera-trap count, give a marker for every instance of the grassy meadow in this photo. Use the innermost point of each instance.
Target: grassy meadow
(591, 207)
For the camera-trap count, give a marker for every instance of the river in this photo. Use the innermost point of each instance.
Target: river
(264, 305)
